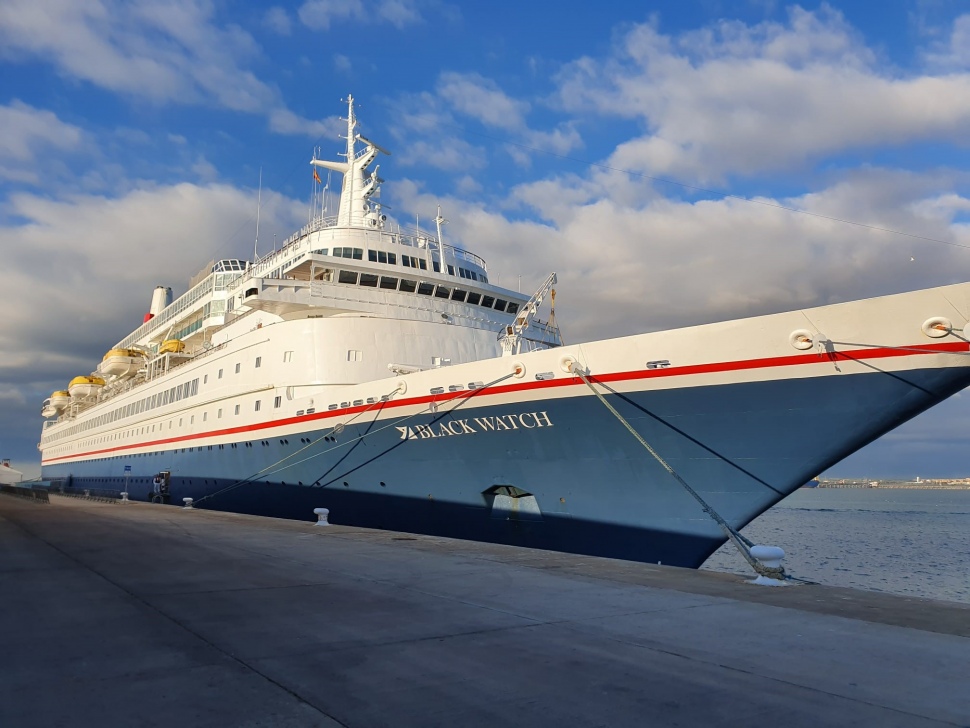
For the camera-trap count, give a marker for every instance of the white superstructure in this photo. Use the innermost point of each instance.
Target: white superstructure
(345, 300)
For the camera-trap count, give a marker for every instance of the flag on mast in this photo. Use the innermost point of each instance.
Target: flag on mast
(316, 176)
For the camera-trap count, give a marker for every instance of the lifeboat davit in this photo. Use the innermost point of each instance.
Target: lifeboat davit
(85, 387)
(121, 363)
(48, 410)
(60, 399)
(173, 346)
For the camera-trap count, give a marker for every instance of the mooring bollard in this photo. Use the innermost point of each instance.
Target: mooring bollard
(187, 502)
(771, 557)
(87, 493)
(322, 515)
(124, 497)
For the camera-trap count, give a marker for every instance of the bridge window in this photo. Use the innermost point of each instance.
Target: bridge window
(347, 276)
(408, 286)
(442, 292)
(458, 295)
(388, 283)
(354, 253)
(500, 304)
(487, 301)
(368, 279)
(474, 298)
(425, 289)
(451, 270)
(512, 308)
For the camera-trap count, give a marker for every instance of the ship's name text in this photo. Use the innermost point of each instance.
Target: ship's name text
(476, 425)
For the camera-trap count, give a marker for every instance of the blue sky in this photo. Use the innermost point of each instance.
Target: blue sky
(134, 134)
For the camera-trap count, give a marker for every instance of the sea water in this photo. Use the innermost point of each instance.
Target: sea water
(914, 542)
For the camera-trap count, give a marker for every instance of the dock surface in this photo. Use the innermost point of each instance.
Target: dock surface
(133, 614)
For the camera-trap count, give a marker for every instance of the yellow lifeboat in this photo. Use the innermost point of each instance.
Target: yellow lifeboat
(60, 399)
(173, 346)
(85, 387)
(121, 362)
(121, 352)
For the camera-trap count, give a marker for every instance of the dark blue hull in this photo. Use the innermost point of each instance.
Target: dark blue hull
(562, 474)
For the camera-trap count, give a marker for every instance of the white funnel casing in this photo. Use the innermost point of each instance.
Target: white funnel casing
(161, 297)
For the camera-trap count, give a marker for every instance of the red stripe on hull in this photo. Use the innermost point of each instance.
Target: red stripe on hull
(731, 366)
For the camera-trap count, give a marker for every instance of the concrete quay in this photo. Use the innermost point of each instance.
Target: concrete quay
(134, 614)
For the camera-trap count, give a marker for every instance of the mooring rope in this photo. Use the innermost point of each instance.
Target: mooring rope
(432, 407)
(268, 469)
(273, 467)
(741, 543)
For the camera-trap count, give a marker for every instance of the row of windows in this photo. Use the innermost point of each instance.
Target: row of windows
(408, 261)
(186, 389)
(175, 394)
(422, 288)
(160, 426)
(379, 256)
(354, 253)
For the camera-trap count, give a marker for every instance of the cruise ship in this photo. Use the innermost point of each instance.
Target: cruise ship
(376, 371)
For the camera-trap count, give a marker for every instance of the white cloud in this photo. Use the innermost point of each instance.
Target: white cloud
(284, 121)
(27, 132)
(342, 63)
(738, 99)
(172, 51)
(278, 20)
(107, 255)
(469, 94)
(481, 98)
(656, 263)
(447, 153)
(204, 169)
(11, 397)
(953, 54)
(399, 13)
(321, 14)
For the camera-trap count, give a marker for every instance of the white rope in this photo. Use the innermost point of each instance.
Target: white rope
(263, 473)
(742, 544)
(432, 407)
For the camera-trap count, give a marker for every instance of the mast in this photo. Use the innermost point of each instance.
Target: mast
(259, 201)
(356, 190)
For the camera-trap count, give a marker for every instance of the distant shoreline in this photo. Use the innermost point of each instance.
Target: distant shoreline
(888, 484)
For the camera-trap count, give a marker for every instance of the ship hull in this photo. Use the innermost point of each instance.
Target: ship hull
(552, 472)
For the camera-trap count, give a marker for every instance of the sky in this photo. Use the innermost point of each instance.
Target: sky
(643, 150)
